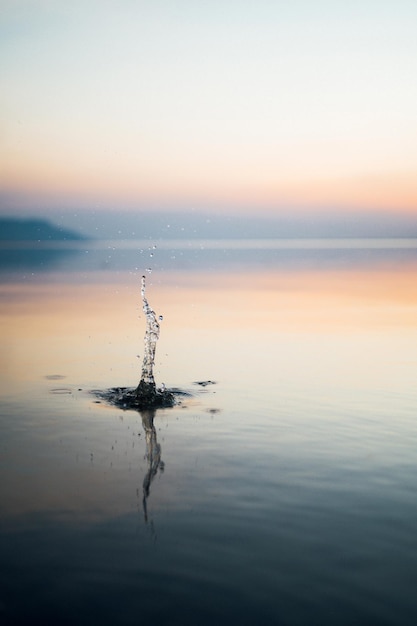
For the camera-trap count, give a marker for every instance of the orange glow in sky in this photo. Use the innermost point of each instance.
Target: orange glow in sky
(209, 106)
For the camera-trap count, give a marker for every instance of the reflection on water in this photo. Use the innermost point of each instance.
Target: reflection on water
(293, 502)
(30, 259)
(153, 456)
(34, 258)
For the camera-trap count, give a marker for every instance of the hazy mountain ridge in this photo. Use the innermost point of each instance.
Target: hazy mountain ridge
(35, 229)
(147, 225)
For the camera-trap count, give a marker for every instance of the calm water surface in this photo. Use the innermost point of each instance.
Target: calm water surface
(285, 493)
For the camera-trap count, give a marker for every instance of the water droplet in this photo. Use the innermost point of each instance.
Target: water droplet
(161, 317)
(149, 270)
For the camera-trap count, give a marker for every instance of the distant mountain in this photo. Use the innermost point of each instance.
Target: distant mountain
(14, 229)
(147, 225)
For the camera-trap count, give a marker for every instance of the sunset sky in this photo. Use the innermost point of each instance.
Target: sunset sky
(266, 106)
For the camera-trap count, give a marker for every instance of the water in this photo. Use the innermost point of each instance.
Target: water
(284, 492)
(146, 395)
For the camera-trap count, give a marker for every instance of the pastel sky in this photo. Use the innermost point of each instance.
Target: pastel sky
(237, 105)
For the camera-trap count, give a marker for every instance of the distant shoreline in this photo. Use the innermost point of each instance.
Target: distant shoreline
(34, 229)
(158, 226)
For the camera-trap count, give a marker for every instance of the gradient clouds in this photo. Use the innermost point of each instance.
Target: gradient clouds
(237, 105)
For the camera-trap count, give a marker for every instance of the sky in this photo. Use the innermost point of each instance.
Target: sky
(228, 106)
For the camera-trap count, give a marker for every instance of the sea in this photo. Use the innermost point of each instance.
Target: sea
(281, 489)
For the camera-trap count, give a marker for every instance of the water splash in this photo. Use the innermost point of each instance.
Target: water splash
(151, 337)
(146, 395)
(146, 391)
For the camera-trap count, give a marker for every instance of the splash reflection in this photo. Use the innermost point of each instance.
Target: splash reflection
(153, 456)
